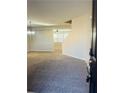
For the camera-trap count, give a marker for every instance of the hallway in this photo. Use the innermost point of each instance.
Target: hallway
(51, 72)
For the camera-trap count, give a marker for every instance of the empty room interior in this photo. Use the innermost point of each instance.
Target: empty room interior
(59, 35)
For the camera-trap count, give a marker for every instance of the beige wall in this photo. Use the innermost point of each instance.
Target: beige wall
(77, 44)
(41, 41)
(28, 42)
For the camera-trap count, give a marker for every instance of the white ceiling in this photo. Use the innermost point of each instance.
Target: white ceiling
(50, 12)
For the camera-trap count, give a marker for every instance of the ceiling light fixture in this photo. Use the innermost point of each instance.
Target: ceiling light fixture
(54, 30)
(30, 32)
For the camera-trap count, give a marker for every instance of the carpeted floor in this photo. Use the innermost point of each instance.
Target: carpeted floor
(55, 73)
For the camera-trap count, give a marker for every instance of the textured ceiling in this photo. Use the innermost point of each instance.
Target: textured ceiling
(49, 12)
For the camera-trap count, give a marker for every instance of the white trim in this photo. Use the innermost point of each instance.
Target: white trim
(76, 57)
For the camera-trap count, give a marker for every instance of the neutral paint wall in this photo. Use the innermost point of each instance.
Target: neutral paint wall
(77, 44)
(41, 41)
(60, 35)
(28, 43)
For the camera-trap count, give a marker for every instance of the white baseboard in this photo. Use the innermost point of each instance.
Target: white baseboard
(83, 59)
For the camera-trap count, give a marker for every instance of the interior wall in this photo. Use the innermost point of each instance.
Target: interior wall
(28, 43)
(41, 41)
(60, 35)
(78, 43)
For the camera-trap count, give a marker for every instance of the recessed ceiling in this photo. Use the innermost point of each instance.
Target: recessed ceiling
(53, 12)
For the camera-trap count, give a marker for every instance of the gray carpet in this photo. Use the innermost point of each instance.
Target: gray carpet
(53, 73)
